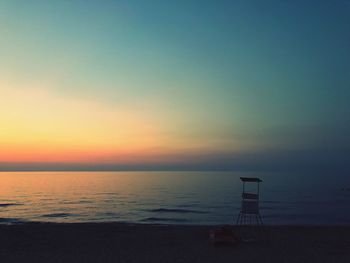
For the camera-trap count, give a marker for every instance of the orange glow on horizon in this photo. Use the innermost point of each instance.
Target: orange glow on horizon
(37, 126)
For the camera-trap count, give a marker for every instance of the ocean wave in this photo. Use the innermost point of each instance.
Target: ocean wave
(85, 201)
(176, 210)
(4, 220)
(189, 205)
(109, 214)
(58, 215)
(163, 219)
(9, 204)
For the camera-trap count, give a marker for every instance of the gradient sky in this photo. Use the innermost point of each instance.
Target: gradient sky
(174, 84)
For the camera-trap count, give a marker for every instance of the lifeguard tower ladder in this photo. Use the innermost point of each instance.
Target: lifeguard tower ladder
(249, 214)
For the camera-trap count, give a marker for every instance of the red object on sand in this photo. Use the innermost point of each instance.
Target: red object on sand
(223, 236)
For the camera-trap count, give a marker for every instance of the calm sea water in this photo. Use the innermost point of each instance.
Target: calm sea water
(169, 197)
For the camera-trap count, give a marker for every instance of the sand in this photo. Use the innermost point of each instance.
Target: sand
(115, 242)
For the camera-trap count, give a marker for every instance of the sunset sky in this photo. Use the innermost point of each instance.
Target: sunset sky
(174, 84)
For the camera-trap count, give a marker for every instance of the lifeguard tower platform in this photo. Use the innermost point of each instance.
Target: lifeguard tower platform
(249, 216)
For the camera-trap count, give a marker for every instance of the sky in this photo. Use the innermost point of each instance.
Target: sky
(197, 85)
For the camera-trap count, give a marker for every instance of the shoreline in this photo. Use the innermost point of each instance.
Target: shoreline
(130, 224)
(129, 242)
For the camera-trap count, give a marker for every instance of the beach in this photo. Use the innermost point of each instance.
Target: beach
(121, 242)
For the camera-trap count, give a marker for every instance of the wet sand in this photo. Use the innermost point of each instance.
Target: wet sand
(115, 242)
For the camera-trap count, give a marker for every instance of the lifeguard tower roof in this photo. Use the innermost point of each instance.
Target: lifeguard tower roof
(250, 179)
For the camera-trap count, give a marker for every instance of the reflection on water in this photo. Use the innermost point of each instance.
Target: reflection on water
(167, 197)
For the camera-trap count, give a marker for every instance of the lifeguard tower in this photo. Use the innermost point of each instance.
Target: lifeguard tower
(249, 216)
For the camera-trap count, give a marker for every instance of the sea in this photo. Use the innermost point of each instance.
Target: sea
(198, 198)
